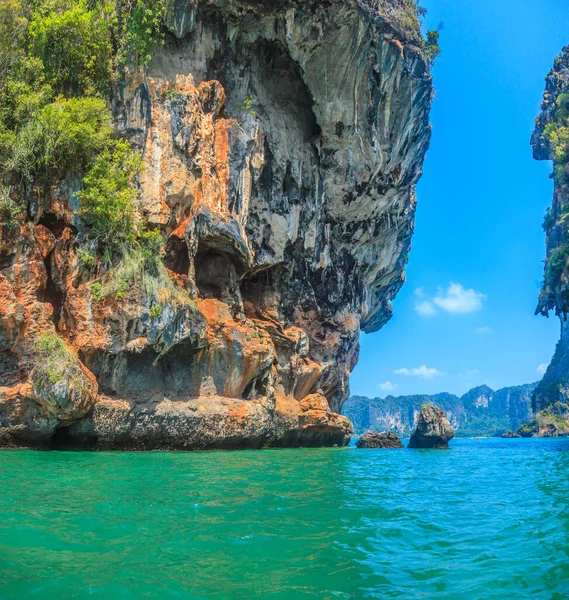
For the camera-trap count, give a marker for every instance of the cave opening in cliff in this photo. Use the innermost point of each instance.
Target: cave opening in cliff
(216, 271)
(177, 258)
(255, 388)
(280, 85)
(52, 294)
(54, 223)
(61, 440)
(214, 274)
(6, 260)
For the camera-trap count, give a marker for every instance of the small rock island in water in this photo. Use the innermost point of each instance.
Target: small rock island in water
(374, 439)
(433, 429)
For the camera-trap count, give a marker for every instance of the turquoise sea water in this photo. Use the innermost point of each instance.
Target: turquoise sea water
(485, 520)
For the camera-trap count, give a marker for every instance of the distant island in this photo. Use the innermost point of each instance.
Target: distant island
(480, 412)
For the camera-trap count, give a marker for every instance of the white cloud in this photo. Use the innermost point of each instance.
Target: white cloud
(425, 308)
(483, 330)
(541, 369)
(422, 371)
(456, 299)
(387, 386)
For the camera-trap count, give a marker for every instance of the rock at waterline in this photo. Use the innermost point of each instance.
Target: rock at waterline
(374, 439)
(511, 434)
(433, 429)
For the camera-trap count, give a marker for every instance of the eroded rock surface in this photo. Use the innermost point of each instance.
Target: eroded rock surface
(433, 429)
(374, 439)
(282, 142)
(548, 144)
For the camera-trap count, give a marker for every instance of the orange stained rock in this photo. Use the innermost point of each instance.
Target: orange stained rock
(307, 374)
(315, 402)
(288, 406)
(45, 240)
(239, 411)
(180, 231)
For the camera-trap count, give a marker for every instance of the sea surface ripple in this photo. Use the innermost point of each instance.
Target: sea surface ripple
(484, 520)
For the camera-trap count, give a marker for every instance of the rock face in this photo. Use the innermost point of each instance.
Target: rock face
(548, 142)
(433, 429)
(374, 439)
(552, 421)
(511, 434)
(282, 142)
(481, 411)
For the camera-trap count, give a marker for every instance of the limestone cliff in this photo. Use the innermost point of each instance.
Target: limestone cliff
(282, 142)
(481, 411)
(550, 142)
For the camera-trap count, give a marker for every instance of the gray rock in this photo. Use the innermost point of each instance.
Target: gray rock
(282, 142)
(374, 439)
(433, 429)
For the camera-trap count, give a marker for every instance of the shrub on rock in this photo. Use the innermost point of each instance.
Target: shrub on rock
(60, 382)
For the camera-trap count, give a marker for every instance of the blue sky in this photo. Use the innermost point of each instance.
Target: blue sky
(465, 315)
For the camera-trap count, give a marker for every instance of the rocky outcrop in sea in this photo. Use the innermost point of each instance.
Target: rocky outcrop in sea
(433, 429)
(374, 439)
(281, 143)
(511, 434)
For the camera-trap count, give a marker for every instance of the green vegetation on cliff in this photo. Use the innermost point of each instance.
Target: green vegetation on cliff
(52, 360)
(59, 62)
(407, 16)
(556, 133)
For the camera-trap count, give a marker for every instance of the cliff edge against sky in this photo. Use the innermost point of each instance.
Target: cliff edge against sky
(219, 216)
(550, 141)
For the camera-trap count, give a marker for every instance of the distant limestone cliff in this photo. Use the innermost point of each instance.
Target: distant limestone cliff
(480, 412)
(203, 203)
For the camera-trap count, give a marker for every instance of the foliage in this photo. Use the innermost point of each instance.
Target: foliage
(24, 94)
(548, 221)
(528, 429)
(121, 292)
(57, 64)
(75, 47)
(64, 136)
(556, 414)
(155, 311)
(432, 49)
(142, 268)
(556, 264)
(406, 13)
(248, 106)
(86, 257)
(13, 27)
(408, 16)
(10, 209)
(174, 94)
(52, 360)
(143, 29)
(557, 135)
(97, 292)
(108, 196)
